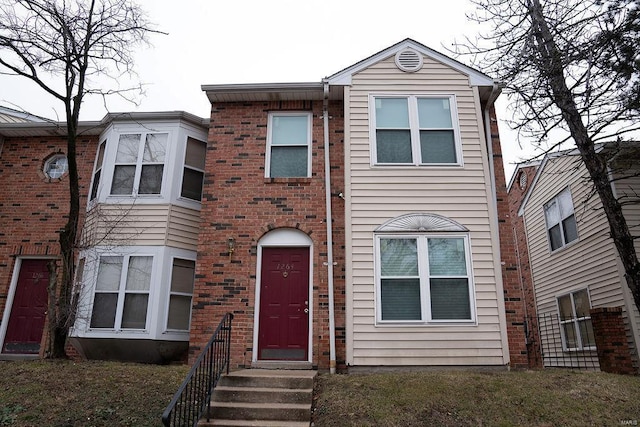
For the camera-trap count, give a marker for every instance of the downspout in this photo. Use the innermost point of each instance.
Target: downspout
(327, 188)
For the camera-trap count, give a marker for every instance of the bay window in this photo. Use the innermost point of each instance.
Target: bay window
(139, 164)
(181, 292)
(193, 171)
(121, 295)
(414, 130)
(424, 279)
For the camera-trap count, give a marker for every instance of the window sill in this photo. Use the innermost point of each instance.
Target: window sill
(445, 323)
(293, 182)
(417, 165)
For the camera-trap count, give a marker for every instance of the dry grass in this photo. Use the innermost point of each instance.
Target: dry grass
(533, 398)
(63, 393)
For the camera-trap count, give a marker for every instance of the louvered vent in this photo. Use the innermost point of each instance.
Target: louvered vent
(409, 60)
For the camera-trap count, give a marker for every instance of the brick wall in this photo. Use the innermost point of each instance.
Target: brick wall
(239, 202)
(611, 340)
(516, 195)
(513, 296)
(33, 208)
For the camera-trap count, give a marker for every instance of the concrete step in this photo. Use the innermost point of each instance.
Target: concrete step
(262, 397)
(261, 411)
(253, 423)
(262, 394)
(264, 378)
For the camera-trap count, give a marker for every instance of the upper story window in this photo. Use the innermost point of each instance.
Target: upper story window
(56, 166)
(561, 221)
(97, 172)
(139, 164)
(288, 145)
(424, 278)
(575, 320)
(150, 162)
(193, 171)
(414, 130)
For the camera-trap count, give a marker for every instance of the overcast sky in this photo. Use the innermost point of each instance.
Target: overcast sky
(255, 41)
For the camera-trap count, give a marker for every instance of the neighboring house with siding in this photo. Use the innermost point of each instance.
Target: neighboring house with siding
(568, 260)
(415, 268)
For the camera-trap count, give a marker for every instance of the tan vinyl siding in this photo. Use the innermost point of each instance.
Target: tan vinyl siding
(590, 261)
(379, 193)
(142, 225)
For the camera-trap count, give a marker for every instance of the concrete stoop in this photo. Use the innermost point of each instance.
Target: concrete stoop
(261, 397)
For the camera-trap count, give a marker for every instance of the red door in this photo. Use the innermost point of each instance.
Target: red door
(26, 321)
(284, 304)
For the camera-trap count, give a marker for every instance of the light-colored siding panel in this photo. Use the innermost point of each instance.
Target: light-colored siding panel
(377, 194)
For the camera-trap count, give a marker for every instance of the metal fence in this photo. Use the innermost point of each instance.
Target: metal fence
(555, 347)
(193, 397)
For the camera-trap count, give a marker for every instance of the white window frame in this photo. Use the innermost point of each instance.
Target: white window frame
(414, 127)
(122, 292)
(98, 168)
(549, 226)
(575, 320)
(423, 272)
(186, 166)
(140, 163)
(309, 143)
(170, 293)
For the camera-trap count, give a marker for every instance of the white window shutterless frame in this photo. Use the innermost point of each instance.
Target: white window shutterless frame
(418, 130)
(288, 152)
(139, 164)
(424, 279)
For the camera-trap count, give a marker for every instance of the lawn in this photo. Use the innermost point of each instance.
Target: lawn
(64, 393)
(532, 398)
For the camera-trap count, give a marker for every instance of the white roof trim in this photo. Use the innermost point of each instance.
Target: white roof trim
(543, 163)
(343, 78)
(421, 222)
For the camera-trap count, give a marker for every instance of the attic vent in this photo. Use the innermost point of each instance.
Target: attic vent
(409, 60)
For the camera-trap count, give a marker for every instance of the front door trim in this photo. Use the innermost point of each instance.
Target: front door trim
(283, 237)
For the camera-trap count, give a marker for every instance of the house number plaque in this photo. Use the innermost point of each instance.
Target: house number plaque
(284, 269)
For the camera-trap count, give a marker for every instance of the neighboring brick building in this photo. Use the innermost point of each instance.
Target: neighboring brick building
(34, 198)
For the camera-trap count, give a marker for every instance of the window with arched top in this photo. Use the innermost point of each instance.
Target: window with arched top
(423, 271)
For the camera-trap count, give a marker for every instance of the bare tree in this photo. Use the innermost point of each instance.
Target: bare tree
(65, 47)
(572, 71)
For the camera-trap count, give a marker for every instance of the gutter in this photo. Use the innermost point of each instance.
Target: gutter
(327, 186)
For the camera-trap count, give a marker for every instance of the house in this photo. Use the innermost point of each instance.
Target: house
(414, 268)
(568, 260)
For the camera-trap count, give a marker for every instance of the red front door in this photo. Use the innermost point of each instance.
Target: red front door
(284, 304)
(26, 321)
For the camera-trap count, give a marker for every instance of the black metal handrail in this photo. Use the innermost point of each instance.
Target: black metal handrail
(194, 395)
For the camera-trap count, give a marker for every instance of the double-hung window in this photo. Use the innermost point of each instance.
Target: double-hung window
(288, 145)
(139, 164)
(121, 295)
(561, 221)
(193, 171)
(414, 130)
(97, 171)
(424, 279)
(575, 320)
(182, 277)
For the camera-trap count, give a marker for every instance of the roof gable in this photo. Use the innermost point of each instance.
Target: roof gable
(343, 77)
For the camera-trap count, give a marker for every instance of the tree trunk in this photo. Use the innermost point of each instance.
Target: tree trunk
(595, 164)
(64, 304)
